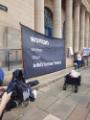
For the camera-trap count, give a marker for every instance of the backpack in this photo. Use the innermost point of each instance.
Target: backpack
(24, 91)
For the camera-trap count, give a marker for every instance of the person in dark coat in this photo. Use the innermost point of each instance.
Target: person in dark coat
(11, 90)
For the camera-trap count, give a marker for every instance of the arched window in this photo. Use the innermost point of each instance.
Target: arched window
(48, 21)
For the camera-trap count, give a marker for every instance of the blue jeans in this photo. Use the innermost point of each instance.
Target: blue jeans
(79, 64)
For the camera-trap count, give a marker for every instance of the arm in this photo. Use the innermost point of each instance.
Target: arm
(7, 96)
(5, 99)
(3, 88)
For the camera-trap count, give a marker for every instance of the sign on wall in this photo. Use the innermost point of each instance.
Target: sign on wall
(41, 54)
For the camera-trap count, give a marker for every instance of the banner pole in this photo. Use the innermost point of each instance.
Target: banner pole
(21, 46)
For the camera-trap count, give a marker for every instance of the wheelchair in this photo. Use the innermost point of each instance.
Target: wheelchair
(74, 81)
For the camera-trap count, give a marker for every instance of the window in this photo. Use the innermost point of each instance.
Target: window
(48, 19)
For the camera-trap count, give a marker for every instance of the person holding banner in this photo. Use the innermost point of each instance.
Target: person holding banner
(86, 54)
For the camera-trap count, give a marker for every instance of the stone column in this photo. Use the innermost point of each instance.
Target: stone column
(82, 27)
(89, 34)
(68, 25)
(76, 25)
(1, 36)
(86, 30)
(39, 16)
(57, 23)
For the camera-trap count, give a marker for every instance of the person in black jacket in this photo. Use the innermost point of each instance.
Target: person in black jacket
(12, 93)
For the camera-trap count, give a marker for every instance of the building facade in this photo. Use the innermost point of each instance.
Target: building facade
(69, 19)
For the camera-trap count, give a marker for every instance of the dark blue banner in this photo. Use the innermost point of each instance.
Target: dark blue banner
(41, 54)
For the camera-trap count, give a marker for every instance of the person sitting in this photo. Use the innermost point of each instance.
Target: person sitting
(13, 92)
(1, 76)
(73, 78)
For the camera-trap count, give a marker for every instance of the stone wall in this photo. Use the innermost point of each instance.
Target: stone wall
(10, 46)
(18, 11)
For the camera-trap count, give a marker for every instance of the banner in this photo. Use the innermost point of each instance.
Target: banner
(41, 54)
(86, 52)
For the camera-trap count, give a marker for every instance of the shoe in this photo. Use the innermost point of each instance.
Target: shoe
(35, 94)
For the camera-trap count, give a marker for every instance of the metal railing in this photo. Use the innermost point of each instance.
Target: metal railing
(11, 58)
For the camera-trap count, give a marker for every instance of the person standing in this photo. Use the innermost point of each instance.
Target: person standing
(79, 60)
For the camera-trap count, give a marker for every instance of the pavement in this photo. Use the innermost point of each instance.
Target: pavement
(53, 103)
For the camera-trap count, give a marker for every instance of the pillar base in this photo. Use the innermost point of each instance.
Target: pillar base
(69, 62)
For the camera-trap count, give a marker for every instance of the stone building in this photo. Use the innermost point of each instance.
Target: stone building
(69, 19)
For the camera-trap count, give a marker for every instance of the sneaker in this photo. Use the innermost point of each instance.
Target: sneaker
(34, 93)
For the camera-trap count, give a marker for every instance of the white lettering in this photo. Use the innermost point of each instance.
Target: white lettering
(35, 57)
(36, 49)
(38, 40)
(45, 64)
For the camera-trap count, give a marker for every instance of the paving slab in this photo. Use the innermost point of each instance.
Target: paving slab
(83, 89)
(45, 101)
(80, 99)
(63, 94)
(62, 109)
(80, 113)
(88, 117)
(36, 114)
(51, 117)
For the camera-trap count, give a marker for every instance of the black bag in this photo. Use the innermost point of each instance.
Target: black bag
(33, 83)
(24, 91)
